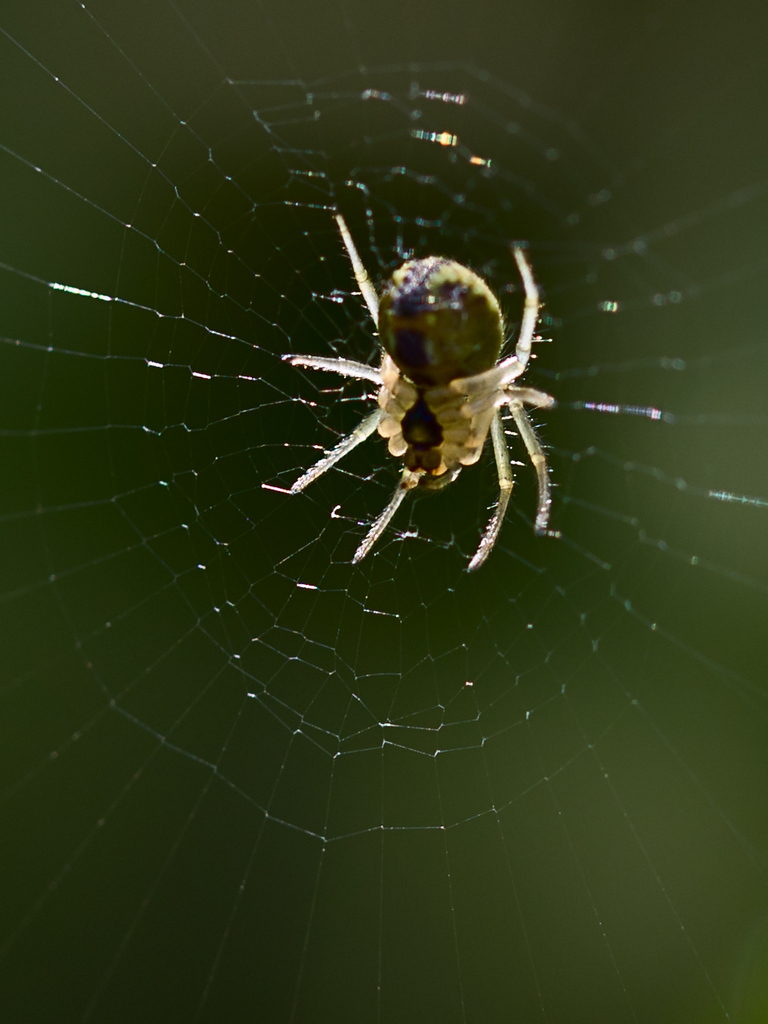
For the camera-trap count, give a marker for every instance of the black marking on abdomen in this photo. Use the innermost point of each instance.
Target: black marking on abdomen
(420, 427)
(411, 348)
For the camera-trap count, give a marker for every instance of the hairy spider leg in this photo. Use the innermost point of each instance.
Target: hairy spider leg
(539, 460)
(408, 481)
(346, 367)
(530, 309)
(506, 483)
(531, 396)
(361, 274)
(514, 365)
(491, 387)
(359, 434)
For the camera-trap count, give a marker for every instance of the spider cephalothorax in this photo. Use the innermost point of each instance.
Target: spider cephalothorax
(441, 385)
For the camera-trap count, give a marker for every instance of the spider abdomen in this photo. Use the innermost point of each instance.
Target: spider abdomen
(438, 320)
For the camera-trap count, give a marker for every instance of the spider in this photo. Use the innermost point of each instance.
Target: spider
(441, 387)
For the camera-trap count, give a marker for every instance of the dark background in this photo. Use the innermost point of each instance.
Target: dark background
(579, 835)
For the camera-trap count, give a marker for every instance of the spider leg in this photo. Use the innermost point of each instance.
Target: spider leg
(539, 460)
(484, 390)
(531, 396)
(485, 387)
(345, 367)
(408, 481)
(361, 274)
(506, 482)
(358, 435)
(531, 308)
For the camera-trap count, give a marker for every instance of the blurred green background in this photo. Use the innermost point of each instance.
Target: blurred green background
(243, 780)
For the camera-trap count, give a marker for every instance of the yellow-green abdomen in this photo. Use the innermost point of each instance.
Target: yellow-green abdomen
(438, 321)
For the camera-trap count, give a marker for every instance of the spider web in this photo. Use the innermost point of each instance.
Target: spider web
(242, 777)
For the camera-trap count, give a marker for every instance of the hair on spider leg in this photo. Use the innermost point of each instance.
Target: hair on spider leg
(442, 382)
